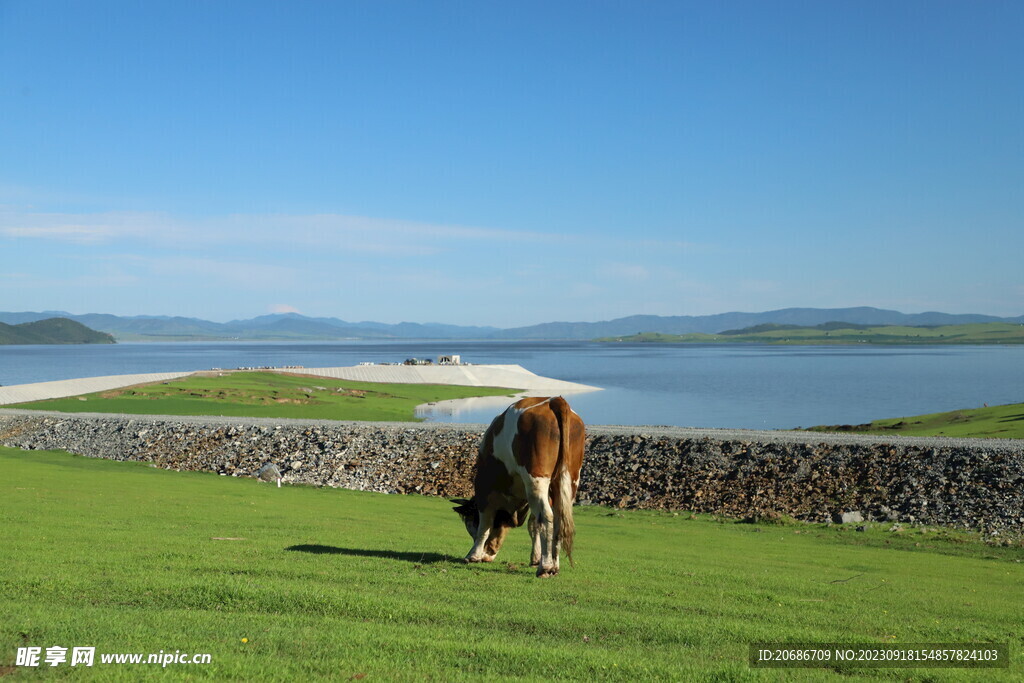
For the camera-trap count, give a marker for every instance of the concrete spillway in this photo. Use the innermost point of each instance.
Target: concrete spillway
(508, 376)
(42, 391)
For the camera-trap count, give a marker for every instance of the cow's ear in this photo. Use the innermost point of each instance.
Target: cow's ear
(459, 501)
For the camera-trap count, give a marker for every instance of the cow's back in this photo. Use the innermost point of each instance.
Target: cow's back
(531, 438)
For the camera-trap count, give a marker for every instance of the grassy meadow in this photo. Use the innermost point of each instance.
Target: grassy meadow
(267, 394)
(300, 583)
(1004, 422)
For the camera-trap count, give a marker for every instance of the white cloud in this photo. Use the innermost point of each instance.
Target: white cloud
(73, 228)
(337, 264)
(63, 233)
(248, 275)
(673, 244)
(202, 271)
(112, 279)
(330, 232)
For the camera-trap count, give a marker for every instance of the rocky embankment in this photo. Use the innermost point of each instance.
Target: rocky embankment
(814, 477)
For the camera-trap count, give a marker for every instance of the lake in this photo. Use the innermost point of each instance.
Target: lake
(755, 387)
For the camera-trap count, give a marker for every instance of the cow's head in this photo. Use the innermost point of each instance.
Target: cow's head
(468, 512)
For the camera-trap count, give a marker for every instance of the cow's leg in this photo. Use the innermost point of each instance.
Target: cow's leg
(497, 537)
(540, 508)
(535, 537)
(566, 497)
(478, 553)
(556, 545)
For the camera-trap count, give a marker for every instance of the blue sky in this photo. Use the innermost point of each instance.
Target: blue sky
(510, 163)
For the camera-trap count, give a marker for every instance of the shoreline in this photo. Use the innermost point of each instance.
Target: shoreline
(512, 377)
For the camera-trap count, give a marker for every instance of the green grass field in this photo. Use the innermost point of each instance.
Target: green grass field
(267, 394)
(1004, 422)
(302, 583)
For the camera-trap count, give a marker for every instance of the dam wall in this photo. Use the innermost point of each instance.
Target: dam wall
(972, 484)
(507, 376)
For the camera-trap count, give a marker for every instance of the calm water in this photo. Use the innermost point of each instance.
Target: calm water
(759, 387)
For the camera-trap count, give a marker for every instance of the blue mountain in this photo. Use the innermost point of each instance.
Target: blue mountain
(293, 326)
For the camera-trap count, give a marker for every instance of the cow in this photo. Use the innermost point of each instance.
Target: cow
(528, 462)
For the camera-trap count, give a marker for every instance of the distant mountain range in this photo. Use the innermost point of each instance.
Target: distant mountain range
(52, 331)
(292, 326)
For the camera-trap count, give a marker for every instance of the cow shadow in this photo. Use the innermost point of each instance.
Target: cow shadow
(417, 558)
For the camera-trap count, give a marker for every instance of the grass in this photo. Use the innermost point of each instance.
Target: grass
(977, 333)
(303, 583)
(1005, 422)
(267, 394)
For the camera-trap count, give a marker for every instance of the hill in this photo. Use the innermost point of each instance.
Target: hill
(52, 331)
(1003, 422)
(277, 327)
(715, 324)
(846, 333)
(293, 326)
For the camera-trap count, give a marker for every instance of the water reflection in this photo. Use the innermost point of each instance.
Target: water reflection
(480, 409)
(466, 410)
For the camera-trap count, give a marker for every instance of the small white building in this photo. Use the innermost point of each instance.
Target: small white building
(449, 360)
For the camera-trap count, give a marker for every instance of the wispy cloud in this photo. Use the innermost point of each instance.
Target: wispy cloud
(325, 230)
(584, 290)
(680, 245)
(353, 266)
(626, 271)
(64, 233)
(333, 232)
(87, 281)
(211, 271)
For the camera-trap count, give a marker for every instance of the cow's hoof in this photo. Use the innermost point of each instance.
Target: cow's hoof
(545, 573)
(481, 558)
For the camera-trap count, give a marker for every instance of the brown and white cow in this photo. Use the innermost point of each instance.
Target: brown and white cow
(529, 462)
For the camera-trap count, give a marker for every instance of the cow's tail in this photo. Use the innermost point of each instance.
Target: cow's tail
(562, 496)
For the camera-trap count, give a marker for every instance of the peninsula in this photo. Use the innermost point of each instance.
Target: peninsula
(844, 333)
(52, 331)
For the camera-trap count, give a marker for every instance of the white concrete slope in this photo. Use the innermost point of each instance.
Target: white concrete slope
(41, 391)
(510, 376)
